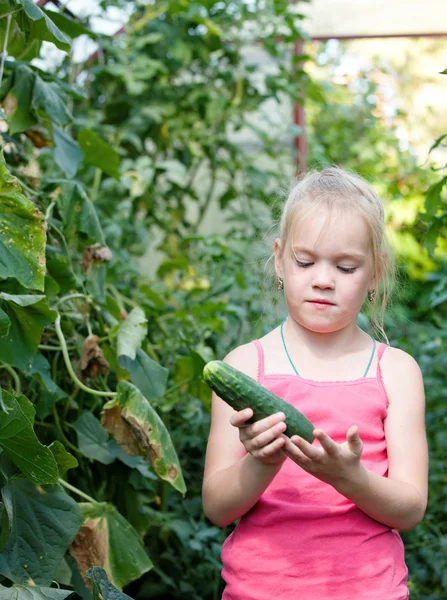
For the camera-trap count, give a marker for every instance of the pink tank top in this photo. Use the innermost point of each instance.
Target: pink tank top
(303, 540)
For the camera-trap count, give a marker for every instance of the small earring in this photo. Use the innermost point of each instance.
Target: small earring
(372, 295)
(280, 283)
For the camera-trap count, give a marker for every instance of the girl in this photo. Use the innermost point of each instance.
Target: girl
(318, 521)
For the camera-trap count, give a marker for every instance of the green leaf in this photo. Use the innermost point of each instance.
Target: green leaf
(151, 433)
(45, 522)
(131, 333)
(49, 100)
(444, 72)
(18, 440)
(149, 376)
(41, 371)
(2, 114)
(78, 212)
(25, 592)
(123, 555)
(102, 588)
(64, 459)
(28, 314)
(22, 234)
(438, 141)
(93, 439)
(67, 152)
(43, 27)
(27, 407)
(21, 118)
(72, 28)
(98, 153)
(4, 323)
(433, 198)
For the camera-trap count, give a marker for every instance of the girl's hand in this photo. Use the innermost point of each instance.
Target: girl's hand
(331, 462)
(262, 439)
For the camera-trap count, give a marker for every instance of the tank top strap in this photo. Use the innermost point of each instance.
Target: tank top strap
(381, 349)
(260, 351)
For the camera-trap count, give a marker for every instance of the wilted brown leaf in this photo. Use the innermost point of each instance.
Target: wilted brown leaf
(38, 138)
(94, 253)
(141, 432)
(121, 431)
(90, 546)
(92, 361)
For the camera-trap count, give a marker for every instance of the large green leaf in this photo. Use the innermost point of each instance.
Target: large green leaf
(93, 439)
(45, 522)
(72, 28)
(101, 586)
(99, 153)
(48, 99)
(131, 333)
(149, 376)
(41, 371)
(43, 27)
(20, 116)
(67, 152)
(433, 199)
(22, 234)
(78, 212)
(19, 441)
(4, 323)
(28, 314)
(151, 434)
(107, 538)
(26, 592)
(64, 459)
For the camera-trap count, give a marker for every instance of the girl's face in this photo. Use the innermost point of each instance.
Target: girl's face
(327, 270)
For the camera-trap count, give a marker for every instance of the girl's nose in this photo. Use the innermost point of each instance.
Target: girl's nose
(323, 278)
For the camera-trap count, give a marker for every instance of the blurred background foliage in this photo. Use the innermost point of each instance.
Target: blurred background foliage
(159, 166)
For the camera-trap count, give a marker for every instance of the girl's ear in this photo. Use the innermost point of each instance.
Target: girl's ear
(277, 249)
(379, 271)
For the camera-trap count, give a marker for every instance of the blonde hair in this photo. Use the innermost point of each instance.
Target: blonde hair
(343, 192)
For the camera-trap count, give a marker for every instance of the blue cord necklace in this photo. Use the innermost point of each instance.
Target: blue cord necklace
(296, 370)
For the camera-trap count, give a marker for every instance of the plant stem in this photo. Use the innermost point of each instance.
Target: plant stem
(55, 348)
(75, 490)
(13, 12)
(69, 366)
(49, 210)
(5, 47)
(61, 433)
(71, 296)
(178, 385)
(96, 185)
(14, 376)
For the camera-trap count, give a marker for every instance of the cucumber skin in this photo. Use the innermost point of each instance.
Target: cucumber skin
(241, 391)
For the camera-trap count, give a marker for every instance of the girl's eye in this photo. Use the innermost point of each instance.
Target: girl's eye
(304, 265)
(347, 269)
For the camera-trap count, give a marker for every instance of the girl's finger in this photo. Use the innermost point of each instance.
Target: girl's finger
(295, 453)
(263, 438)
(355, 444)
(264, 424)
(238, 419)
(270, 449)
(307, 449)
(331, 447)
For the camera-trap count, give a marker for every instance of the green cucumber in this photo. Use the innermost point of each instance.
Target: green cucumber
(241, 391)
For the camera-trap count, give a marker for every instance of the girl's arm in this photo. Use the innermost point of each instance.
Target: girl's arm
(400, 499)
(241, 460)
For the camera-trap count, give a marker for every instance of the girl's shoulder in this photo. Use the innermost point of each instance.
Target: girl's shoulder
(245, 359)
(398, 360)
(401, 375)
